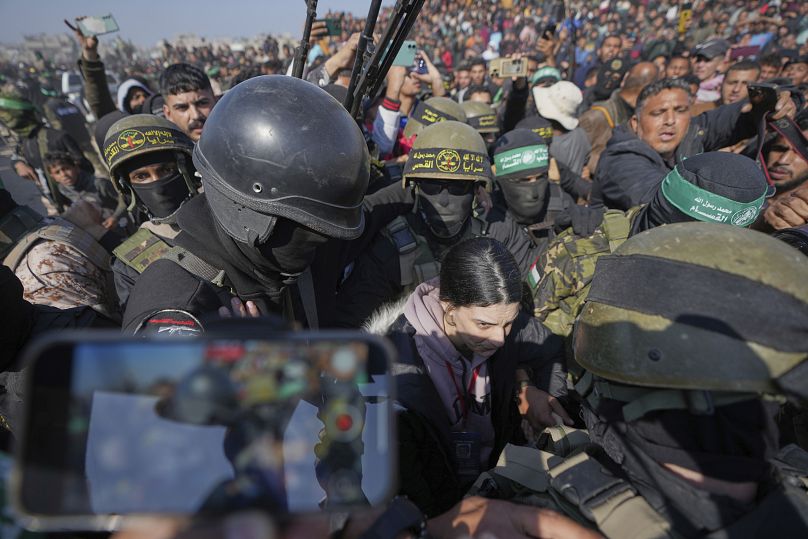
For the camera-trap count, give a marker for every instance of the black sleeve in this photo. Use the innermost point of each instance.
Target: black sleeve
(166, 286)
(380, 209)
(375, 280)
(573, 183)
(508, 231)
(726, 125)
(542, 353)
(514, 110)
(626, 179)
(124, 279)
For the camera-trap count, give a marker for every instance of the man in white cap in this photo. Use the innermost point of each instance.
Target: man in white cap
(558, 103)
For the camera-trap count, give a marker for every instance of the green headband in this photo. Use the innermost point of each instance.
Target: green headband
(521, 159)
(545, 72)
(706, 206)
(14, 104)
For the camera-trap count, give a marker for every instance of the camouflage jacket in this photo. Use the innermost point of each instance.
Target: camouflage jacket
(62, 266)
(560, 277)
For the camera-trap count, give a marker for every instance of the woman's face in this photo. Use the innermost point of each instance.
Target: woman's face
(479, 330)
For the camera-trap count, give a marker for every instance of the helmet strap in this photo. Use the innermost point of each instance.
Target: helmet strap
(182, 166)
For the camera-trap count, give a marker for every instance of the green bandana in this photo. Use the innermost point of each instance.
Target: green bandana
(706, 206)
(546, 72)
(518, 160)
(14, 104)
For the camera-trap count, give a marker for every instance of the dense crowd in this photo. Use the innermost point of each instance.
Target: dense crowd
(592, 267)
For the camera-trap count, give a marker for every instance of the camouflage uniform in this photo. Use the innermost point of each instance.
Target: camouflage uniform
(71, 270)
(560, 277)
(663, 375)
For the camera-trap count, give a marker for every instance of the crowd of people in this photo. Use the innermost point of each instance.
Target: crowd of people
(593, 271)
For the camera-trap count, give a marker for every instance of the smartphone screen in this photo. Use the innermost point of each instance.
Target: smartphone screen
(206, 427)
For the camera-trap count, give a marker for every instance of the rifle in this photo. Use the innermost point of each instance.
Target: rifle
(558, 15)
(373, 62)
(302, 51)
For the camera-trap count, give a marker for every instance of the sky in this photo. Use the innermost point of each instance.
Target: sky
(145, 22)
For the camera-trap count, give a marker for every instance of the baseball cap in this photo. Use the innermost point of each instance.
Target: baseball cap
(711, 48)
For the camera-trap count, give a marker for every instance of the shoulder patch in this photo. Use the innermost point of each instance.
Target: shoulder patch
(171, 323)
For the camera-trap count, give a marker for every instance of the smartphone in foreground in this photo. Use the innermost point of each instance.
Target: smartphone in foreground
(294, 424)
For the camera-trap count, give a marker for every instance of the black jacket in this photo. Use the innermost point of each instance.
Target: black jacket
(375, 276)
(426, 467)
(166, 285)
(629, 170)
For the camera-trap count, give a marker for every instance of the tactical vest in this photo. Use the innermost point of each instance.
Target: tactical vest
(571, 260)
(576, 484)
(148, 244)
(145, 246)
(417, 262)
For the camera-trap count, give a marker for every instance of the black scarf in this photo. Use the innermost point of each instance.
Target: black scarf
(734, 444)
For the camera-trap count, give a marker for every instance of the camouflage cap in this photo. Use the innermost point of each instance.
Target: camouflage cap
(481, 116)
(698, 306)
(433, 110)
(448, 150)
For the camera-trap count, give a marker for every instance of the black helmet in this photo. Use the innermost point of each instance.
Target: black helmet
(277, 146)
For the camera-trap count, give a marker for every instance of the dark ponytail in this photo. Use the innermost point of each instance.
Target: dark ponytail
(480, 272)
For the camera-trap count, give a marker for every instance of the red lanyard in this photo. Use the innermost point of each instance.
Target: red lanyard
(464, 399)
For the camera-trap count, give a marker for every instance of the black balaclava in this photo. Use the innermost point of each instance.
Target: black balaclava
(444, 209)
(725, 174)
(519, 154)
(610, 76)
(164, 196)
(732, 444)
(290, 248)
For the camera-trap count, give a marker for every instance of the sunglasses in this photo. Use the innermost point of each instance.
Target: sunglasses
(454, 187)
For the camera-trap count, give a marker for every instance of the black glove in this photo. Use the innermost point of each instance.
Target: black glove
(583, 219)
